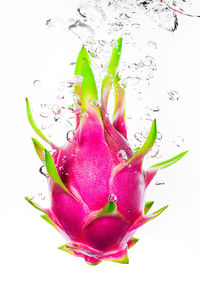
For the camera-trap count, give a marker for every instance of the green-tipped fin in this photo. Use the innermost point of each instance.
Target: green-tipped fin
(169, 162)
(32, 122)
(35, 205)
(110, 208)
(111, 71)
(39, 148)
(48, 219)
(88, 86)
(148, 206)
(148, 143)
(64, 248)
(78, 68)
(52, 171)
(134, 241)
(157, 213)
(124, 260)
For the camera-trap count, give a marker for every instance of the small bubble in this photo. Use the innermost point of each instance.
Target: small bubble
(173, 95)
(37, 83)
(159, 183)
(152, 44)
(122, 156)
(136, 26)
(179, 140)
(61, 168)
(71, 136)
(159, 135)
(44, 114)
(112, 198)
(154, 151)
(74, 108)
(53, 151)
(41, 170)
(94, 102)
(139, 136)
(41, 196)
(84, 114)
(56, 109)
(74, 81)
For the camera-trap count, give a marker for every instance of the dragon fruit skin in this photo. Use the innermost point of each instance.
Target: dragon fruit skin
(96, 181)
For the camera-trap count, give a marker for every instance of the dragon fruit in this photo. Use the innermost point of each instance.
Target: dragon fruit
(96, 181)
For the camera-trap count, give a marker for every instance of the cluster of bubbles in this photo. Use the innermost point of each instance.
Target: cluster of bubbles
(98, 24)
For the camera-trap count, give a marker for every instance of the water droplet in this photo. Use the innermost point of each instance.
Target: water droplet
(159, 135)
(61, 168)
(53, 151)
(179, 140)
(95, 103)
(159, 183)
(152, 44)
(37, 83)
(72, 136)
(116, 26)
(74, 81)
(92, 12)
(41, 170)
(139, 136)
(84, 114)
(122, 156)
(44, 114)
(56, 23)
(74, 108)
(81, 29)
(41, 196)
(154, 151)
(112, 198)
(56, 109)
(173, 95)
(136, 26)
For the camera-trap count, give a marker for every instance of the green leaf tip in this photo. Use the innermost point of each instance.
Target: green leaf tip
(134, 241)
(52, 171)
(157, 213)
(110, 208)
(39, 148)
(111, 72)
(88, 86)
(32, 122)
(124, 260)
(148, 206)
(169, 162)
(64, 248)
(83, 54)
(48, 219)
(148, 143)
(35, 205)
(115, 57)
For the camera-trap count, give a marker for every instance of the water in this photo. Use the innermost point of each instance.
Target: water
(97, 25)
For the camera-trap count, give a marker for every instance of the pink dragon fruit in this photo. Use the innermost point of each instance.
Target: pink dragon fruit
(96, 181)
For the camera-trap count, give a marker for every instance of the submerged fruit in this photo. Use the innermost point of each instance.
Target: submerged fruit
(96, 181)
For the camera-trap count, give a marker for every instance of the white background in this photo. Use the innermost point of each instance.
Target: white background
(166, 261)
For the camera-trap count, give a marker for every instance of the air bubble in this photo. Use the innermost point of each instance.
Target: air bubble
(41, 170)
(84, 114)
(173, 95)
(122, 156)
(179, 140)
(112, 198)
(95, 103)
(71, 136)
(37, 83)
(159, 183)
(74, 81)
